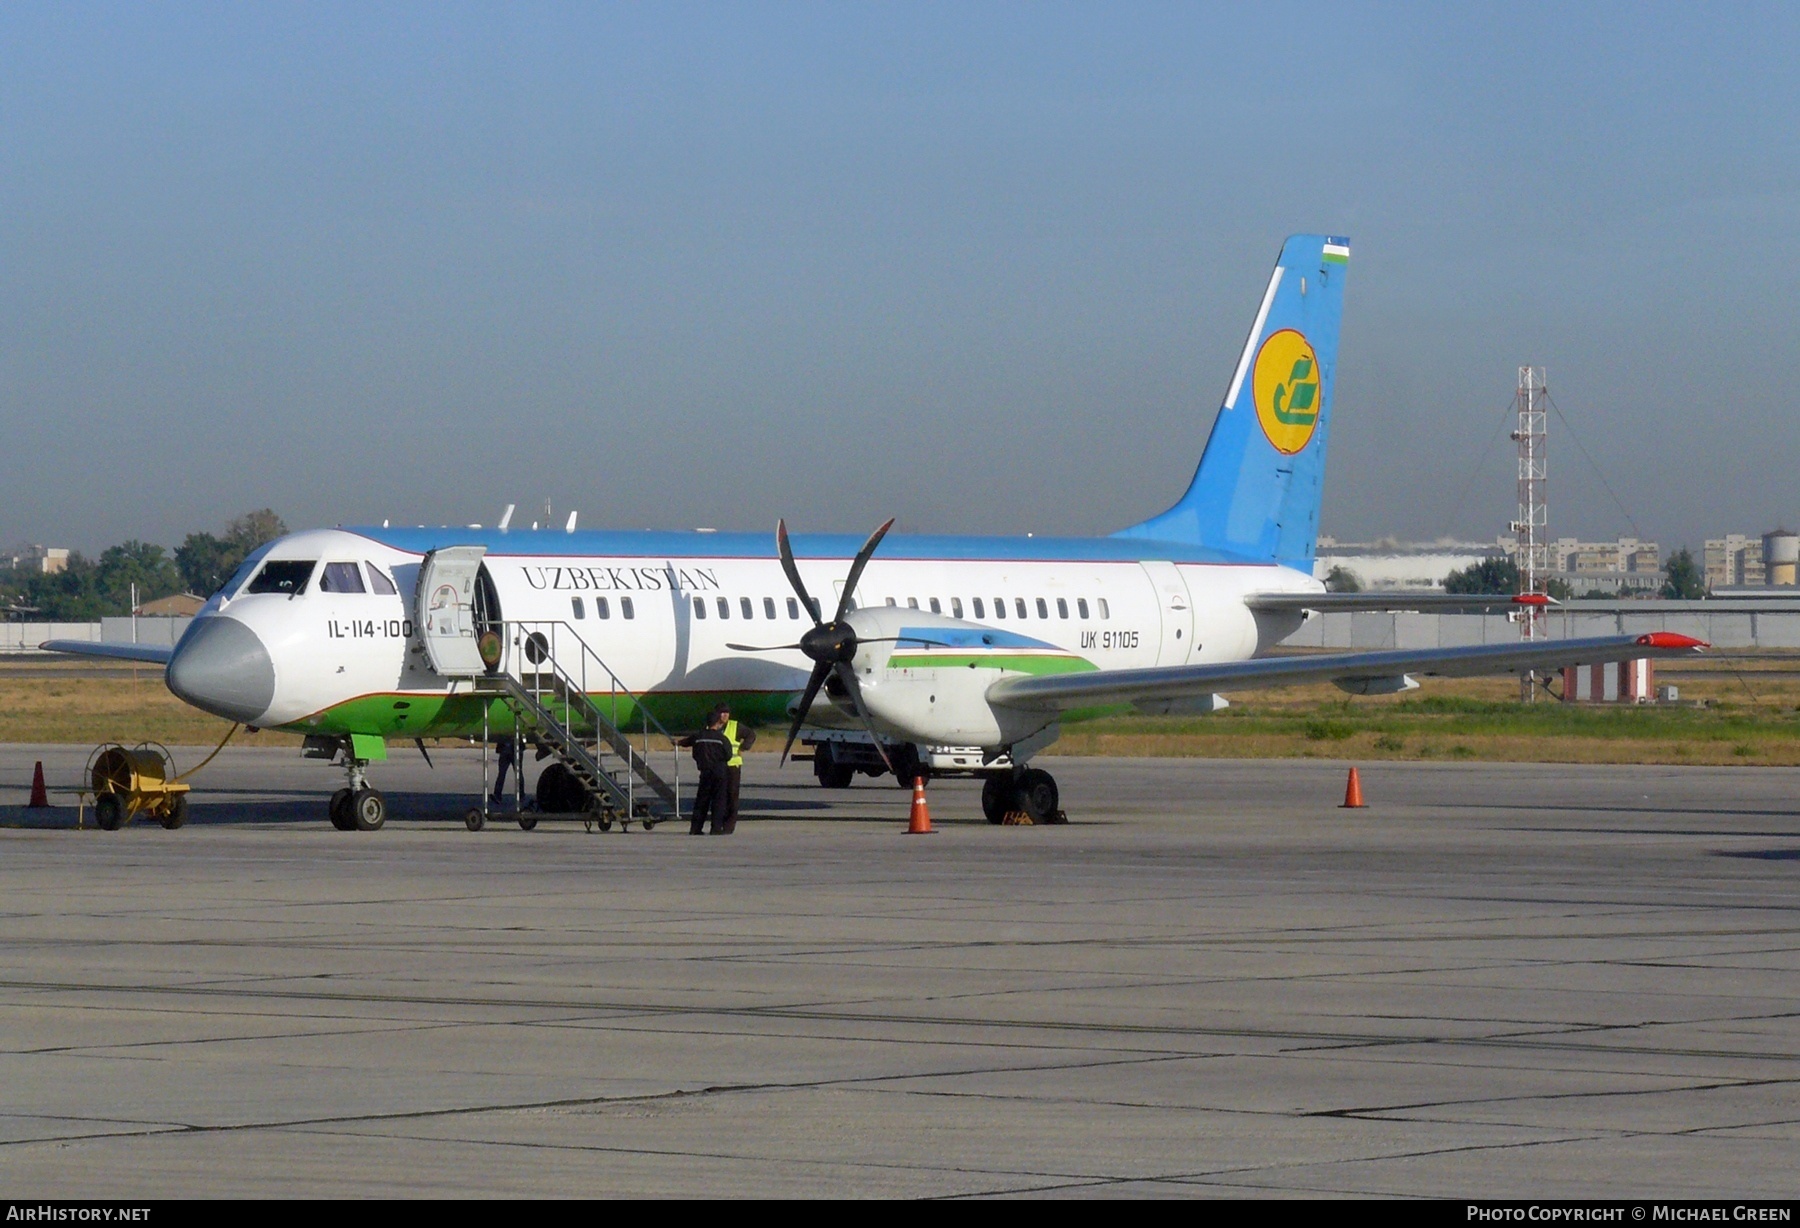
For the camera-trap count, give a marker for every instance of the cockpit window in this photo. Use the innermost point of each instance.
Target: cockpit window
(379, 582)
(341, 578)
(238, 577)
(286, 576)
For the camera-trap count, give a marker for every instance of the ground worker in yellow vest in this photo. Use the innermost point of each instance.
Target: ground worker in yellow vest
(741, 739)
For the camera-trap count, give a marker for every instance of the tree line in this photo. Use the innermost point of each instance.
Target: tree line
(96, 588)
(1683, 579)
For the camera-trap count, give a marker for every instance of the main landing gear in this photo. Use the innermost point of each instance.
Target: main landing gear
(358, 807)
(1028, 793)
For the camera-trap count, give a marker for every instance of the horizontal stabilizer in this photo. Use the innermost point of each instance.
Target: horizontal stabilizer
(151, 654)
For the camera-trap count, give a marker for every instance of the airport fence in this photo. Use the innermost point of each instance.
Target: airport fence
(24, 638)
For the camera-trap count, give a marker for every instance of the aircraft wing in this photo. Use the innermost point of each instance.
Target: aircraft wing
(154, 654)
(1057, 692)
(1393, 599)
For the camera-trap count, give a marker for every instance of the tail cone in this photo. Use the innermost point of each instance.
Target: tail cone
(40, 799)
(920, 823)
(1353, 799)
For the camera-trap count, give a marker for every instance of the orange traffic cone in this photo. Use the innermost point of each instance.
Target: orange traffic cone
(1353, 793)
(39, 798)
(920, 823)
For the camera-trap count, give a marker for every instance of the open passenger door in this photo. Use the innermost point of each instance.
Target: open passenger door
(445, 610)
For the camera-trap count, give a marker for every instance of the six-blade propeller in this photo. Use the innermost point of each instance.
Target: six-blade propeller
(830, 645)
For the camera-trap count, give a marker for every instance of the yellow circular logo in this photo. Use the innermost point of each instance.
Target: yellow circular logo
(1286, 388)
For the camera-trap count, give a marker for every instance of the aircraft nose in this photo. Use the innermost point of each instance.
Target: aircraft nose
(221, 667)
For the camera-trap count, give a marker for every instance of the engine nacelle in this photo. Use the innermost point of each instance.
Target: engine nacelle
(925, 677)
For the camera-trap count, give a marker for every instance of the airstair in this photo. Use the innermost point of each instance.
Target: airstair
(561, 696)
(567, 701)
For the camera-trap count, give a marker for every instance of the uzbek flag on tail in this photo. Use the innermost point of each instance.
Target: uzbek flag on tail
(1337, 251)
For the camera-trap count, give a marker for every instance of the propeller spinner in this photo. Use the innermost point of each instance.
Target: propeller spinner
(830, 645)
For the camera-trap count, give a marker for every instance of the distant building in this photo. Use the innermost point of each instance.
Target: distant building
(44, 560)
(1736, 561)
(1617, 568)
(181, 605)
(1388, 563)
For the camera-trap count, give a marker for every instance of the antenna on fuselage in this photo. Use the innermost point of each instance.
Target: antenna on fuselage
(570, 527)
(506, 517)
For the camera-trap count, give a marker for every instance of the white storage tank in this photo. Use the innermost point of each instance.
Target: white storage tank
(1781, 558)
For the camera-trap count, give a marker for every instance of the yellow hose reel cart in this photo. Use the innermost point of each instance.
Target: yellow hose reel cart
(134, 781)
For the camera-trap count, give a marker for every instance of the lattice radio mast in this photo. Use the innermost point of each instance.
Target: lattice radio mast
(1531, 531)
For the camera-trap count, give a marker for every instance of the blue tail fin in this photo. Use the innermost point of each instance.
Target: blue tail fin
(1257, 490)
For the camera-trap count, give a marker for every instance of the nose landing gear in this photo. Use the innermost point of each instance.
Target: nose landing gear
(357, 807)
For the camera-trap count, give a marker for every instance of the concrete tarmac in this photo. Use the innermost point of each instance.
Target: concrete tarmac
(1496, 981)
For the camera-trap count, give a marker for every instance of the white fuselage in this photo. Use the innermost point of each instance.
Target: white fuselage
(662, 625)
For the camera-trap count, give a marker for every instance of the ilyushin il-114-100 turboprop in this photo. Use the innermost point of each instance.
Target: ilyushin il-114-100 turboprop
(919, 655)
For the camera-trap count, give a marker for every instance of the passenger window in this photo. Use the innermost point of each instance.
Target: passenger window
(1019, 607)
(1104, 612)
(1081, 606)
(999, 607)
(813, 605)
(1043, 609)
(912, 603)
(935, 607)
(378, 581)
(956, 607)
(1062, 608)
(891, 601)
(285, 576)
(745, 608)
(602, 608)
(979, 612)
(724, 608)
(625, 608)
(794, 607)
(699, 607)
(580, 609)
(341, 578)
(769, 608)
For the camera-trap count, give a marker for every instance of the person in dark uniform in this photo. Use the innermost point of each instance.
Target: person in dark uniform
(508, 747)
(711, 750)
(741, 739)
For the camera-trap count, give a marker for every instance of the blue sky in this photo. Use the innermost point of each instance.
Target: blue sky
(983, 267)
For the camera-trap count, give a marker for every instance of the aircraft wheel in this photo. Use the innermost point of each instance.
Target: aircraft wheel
(996, 798)
(339, 810)
(559, 792)
(527, 822)
(1037, 795)
(177, 812)
(368, 809)
(475, 820)
(109, 812)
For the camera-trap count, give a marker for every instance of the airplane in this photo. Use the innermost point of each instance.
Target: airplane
(942, 655)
